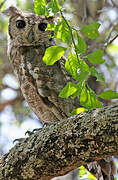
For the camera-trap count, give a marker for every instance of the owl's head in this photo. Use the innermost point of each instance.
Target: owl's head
(27, 29)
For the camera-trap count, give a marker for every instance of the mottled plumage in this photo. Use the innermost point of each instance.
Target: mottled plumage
(41, 84)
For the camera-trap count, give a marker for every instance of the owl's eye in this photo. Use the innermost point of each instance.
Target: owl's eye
(20, 24)
(42, 26)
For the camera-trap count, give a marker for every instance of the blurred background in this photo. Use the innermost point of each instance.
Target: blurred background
(15, 115)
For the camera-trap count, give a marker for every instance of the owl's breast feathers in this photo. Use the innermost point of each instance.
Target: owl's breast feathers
(41, 84)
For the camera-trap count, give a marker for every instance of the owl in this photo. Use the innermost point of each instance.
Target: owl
(40, 84)
(28, 40)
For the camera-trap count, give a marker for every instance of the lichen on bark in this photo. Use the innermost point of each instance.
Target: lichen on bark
(60, 147)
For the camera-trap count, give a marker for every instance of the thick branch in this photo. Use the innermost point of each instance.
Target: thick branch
(63, 146)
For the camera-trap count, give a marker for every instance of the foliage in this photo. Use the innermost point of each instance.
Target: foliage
(91, 31)
(76, 63)
(40, 7)
(96, 57)
(51, 57)
(108, 95)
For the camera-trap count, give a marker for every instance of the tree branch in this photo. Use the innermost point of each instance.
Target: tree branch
(2, 3)
(10, 102)
(60, 147)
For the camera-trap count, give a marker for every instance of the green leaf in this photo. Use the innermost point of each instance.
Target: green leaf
(78, 71)
(91, 31)
(72, 65)
(50, 27)
(83, 71)
(81, 46)
(88, 99)
(62, 31)
(96, 74)
(91, 177)
(78, 91)
(53, 54)
(108, 95)
(39, 7)
(52, 7)
(96, 57)
(82, 171)
(78, 111)
(68, 90)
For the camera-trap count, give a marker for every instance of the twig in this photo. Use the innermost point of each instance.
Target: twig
(107, 40)
(111, 41)
(114, 4)
(10, 102)
(2, 3)
(111, 29)
(71, 35)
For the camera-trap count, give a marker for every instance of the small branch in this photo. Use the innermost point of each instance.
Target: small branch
(114, 4)
(73, 41)
(110, 42)
(63, 146)
(113, 39)
(2, 3)
(11, 102)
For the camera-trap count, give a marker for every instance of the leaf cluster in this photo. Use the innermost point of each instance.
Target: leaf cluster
(76, 63)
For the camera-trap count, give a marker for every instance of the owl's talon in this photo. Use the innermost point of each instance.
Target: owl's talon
(37, 129)
(46, 124)
(32, 132)
(19, 140)
(29, 133)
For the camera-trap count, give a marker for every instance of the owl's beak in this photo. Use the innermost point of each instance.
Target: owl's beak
(31, 37)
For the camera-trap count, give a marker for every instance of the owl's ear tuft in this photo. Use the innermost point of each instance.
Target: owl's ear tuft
(12, 11)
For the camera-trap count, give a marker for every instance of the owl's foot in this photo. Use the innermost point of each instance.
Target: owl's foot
(46, 124)
(32, 132)
(37, 129)
(18, 140)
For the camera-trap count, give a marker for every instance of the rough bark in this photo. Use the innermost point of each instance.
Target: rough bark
(60, 147)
